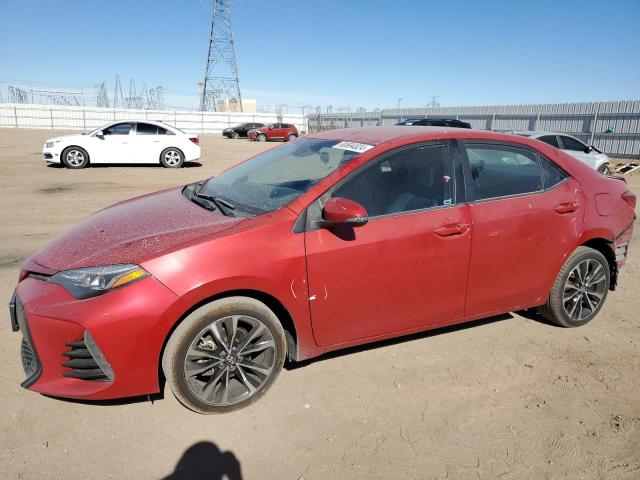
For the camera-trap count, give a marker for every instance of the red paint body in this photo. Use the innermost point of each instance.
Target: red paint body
(399, 274)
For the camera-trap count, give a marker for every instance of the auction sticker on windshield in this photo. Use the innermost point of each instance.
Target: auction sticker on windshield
(353, 146)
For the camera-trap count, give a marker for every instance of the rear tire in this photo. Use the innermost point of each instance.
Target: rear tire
(172, 158)
(292, 136)
(580, 289)
(75, 157)
(225, 355)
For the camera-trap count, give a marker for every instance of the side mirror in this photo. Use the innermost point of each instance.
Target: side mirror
(342, 211)
(100, 134)
(588, 149)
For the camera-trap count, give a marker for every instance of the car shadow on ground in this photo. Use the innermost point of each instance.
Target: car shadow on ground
(127, 165)
(530, 314)
(205, 461)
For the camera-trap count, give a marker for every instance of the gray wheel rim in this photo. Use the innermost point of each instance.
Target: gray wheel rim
(172, 158)
(230, 360)
(584, 289)
(75, 158)
(262, 138)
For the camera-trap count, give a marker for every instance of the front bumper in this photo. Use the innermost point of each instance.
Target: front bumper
(124, 329)
(51, 155)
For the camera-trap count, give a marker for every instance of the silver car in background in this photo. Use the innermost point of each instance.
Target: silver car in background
(574, 147)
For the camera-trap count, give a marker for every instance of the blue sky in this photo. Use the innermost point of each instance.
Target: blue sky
(349, 53)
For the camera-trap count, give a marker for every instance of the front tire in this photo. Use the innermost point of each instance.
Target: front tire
(75, 157)
(172, 158)
(580, 289)
(262, 137)
(605, 169)
(235, 135)
(225, 355)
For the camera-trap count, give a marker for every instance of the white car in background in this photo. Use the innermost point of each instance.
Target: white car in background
(574, 147)
(124, 142)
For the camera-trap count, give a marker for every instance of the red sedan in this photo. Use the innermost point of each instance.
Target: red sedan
(337, 239)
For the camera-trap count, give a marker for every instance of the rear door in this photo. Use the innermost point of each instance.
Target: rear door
(526, 215)
(407, 267)
(146, 144)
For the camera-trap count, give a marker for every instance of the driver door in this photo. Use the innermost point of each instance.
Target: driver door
(407, 267)
(113, 146)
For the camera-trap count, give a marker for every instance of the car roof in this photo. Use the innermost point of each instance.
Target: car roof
(538, 133)
(379, 135)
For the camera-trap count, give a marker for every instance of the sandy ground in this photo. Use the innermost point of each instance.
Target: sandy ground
(506, 398)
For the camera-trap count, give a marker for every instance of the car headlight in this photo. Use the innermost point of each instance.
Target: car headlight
(51, 144)
(93, 281)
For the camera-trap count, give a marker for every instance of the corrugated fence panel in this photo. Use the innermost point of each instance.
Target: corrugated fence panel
(612, 126)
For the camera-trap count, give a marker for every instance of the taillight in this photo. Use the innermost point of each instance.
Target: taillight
(195, 140)
(630, 198)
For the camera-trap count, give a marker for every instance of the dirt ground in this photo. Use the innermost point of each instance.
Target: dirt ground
(510, 397)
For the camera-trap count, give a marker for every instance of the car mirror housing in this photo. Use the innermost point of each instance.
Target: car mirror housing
(342, 211)
(588, 149)
(100, 133)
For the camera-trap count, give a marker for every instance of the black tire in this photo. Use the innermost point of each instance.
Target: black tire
(75, 157)
(566, 298)
(292, 136)
(235, 135)
(172, 157)
(190, 391)
(262, 137)
(605, 169)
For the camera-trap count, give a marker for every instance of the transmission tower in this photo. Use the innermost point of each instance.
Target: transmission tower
(118, 98)
(221, 86)
(102, 99)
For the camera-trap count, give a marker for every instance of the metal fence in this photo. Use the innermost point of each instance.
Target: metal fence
(20, 115)
(613, 127)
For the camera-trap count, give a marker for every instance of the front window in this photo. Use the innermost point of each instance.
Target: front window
(118, 129)
(279, 176)
(569, 143)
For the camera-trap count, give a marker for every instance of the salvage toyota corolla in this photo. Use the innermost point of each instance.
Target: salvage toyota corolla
(335, 239)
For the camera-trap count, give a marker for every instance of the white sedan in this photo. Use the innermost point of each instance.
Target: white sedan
(124, 142)
(586, 154)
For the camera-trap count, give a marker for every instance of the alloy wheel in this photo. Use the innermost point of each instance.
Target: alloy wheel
(172, 158)
(584, 289)
(75, 158)
(230, 360)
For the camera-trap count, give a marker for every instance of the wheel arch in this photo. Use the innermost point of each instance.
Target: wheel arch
(275, 305)
(64, 149)
(170, 148)
(604, 246)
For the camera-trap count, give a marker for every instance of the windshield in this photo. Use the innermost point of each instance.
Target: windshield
(276, 177)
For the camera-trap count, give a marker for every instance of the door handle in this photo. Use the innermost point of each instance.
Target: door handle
(567, 207)
(451, 229)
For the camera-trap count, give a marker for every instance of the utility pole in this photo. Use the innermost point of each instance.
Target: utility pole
(221, 85)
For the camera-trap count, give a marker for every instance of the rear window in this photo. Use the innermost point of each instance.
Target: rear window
(502, 170)
(146, 129)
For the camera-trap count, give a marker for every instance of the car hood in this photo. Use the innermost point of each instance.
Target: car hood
(66, 137)
(132, 231)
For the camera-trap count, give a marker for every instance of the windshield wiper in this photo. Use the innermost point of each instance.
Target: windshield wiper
(204, 203)
(218, 202)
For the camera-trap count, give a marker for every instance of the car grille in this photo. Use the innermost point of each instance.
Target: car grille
(86, 361)
(28, 358)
